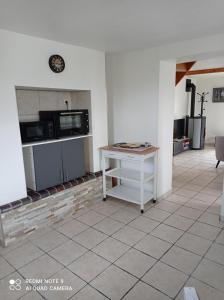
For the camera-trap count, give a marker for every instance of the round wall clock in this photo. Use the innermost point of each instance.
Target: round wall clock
(56, 63)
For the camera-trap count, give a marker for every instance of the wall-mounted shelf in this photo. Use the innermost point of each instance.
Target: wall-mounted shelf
(56, 140)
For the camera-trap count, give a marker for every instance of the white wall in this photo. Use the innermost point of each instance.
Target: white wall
(165, 125)
(134, 101)
(132, 87)
(181, 102)
(214, 112)
(24, 62)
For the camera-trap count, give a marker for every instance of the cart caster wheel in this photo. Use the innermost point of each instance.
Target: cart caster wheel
(153, 201)
(104, 199)
(142, 211)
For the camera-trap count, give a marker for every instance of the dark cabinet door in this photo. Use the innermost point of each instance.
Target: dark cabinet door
(48, 165)
(73, 159)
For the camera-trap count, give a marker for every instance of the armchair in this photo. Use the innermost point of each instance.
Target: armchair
(219, 149)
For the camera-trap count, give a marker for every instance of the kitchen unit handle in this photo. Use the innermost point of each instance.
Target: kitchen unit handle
(71, 113)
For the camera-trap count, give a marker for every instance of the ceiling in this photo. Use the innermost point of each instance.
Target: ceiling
(114, 25)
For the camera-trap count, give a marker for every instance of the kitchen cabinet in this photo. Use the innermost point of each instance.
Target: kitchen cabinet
(73, 159)
(50, 164)
(47, 165)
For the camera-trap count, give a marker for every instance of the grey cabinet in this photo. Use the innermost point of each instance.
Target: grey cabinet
(73, 159)
(47, 165)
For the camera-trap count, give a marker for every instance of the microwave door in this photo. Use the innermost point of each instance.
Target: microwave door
(71, 122)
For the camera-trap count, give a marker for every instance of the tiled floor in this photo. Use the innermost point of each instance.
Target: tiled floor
(110, 251)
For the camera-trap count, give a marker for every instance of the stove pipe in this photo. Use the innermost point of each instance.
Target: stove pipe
(190, 87)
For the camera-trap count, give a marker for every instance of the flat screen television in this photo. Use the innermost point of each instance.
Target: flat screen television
(179, 128)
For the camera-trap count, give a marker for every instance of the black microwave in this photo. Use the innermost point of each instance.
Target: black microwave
(36, 131)
(67, 122)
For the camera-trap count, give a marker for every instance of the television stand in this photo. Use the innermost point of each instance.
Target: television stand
(181, 145)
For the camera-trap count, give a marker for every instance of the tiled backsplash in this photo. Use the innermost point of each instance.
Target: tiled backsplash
(29, 102)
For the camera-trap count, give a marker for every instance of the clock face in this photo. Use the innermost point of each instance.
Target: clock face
(56, 63)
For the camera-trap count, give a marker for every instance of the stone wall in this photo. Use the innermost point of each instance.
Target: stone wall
(18, 223)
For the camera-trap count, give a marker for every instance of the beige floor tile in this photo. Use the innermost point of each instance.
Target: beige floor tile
(204, 230)
(153, 246)
(144, 224)
(166, 279)
(192, 187)
(124, 216)
(188, 212)
(203, 291)
(108, 226)
(211, 191)
(50, 240)
(197, 204)
(216, 253)
(135, 262)
(194, 243)
(105, 208)
(90, 238)
(43, 267)
(157, 214)
(220, 238)
(168, 206)
(69, 279)
(181, 259)
(23, 255)
(178, 199)
(67, 252)
(211, 273)
(129, 235)
(211, 219)
(81, 212)
(114, 283)
(118, 202)
(91, 218)
(5, 268)
(72, 228)
(179, 222)
(12, 246)
(32, 295)
(88, 293)
(142, 291)
(209, 199)
(61, 222)
(167, 233)
(6, 293)
(186, 193)
(39, 232)
(111, 249)
(214, 209)
(88, 266)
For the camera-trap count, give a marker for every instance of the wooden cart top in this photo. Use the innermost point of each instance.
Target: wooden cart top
(133, 151)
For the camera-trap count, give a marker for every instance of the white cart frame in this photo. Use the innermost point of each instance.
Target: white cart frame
(138, 195)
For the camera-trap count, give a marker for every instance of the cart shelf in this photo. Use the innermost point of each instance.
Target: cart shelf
(129, 194)
(129, 174)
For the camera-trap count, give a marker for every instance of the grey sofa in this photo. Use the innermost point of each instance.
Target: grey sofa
(219, 149)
